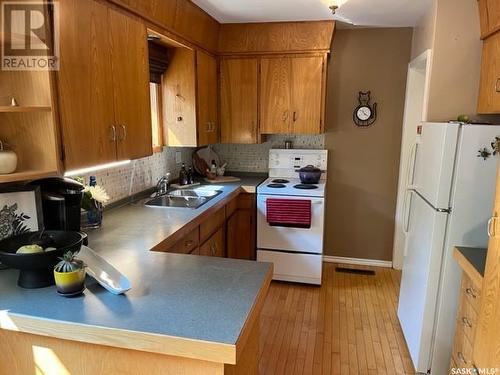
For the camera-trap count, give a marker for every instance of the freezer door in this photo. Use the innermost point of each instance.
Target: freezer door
(420, 279)
(435, 162)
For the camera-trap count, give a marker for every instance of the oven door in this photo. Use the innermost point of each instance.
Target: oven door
(302, 240)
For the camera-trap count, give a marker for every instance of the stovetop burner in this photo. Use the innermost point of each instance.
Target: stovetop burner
(280, 181)
(276, 186)
(305, 186)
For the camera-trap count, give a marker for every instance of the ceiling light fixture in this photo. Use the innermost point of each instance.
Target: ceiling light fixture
(95, 168)
(334, 4)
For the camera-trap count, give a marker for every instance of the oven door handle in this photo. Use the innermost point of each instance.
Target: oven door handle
(313, 201)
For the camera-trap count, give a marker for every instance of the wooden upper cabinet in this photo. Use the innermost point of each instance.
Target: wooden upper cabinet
(179, 93)
(103, 85)
(486, 353)
(483, 17)
(308, 93)
(239, 103)
(206, 71)
(275, 95)
(85, 84)
(129, 62)
(292, 94)
(489, 89)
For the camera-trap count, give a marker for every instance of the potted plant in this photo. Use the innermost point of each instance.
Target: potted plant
(69, 275)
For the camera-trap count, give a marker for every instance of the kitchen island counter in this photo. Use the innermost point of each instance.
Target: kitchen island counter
(196, 307)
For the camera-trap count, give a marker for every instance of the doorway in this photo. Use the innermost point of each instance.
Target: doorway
(416, 104)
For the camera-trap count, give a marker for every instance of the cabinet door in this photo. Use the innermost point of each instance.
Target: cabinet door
(215, 245)
(85, 85)
(239, 100)
(206, 69)
(130, 66)
(275, 90)
(483, 16)
(307, 95)
(241, 225)
(489, 89)
(486, 353)
(179, 89)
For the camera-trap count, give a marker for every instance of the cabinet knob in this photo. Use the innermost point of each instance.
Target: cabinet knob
(471, 292)
(295, 116)
(466, 322)
(491, 226)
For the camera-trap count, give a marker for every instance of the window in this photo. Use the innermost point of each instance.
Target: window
(156, 116)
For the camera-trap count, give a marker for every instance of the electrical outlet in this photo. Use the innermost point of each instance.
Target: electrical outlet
(178, 157)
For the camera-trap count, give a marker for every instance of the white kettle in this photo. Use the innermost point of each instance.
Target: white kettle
(8, 160)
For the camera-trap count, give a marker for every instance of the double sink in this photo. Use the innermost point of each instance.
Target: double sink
(187, 198)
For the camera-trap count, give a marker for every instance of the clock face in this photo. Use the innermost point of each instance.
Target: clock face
(364, 113)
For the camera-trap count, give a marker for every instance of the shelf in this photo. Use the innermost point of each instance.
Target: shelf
(28, 108)
(26, 175)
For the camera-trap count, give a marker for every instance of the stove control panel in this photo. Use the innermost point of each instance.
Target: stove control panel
(286, 163)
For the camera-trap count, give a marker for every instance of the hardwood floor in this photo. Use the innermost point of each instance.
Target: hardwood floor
(347, 326)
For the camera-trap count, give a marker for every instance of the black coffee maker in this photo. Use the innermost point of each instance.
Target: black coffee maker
(61, 203)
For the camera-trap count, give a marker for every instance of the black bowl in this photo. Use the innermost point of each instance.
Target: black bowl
(36, 270)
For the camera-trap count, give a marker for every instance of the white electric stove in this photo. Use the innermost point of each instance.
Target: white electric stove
(297, 252)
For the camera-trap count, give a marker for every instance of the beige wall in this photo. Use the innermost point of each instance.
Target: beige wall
(364, 162)
(451, 29)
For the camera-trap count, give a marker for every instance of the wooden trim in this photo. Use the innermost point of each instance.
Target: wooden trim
(468, 268)
(118, 338)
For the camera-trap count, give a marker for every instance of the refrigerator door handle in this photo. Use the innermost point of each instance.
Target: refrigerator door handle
(410, 172)
(491, 226)
(406, 211)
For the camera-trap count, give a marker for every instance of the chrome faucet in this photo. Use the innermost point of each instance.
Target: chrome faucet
(163, 185)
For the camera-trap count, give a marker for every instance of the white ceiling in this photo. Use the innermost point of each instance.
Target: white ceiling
(389, 13)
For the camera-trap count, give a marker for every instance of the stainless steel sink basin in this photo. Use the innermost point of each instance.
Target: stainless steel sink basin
(187, 198)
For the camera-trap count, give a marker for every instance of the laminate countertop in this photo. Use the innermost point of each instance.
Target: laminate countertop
(473, 261)
(186, 305)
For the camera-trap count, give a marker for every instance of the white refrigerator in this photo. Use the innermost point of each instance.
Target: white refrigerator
(449, 202)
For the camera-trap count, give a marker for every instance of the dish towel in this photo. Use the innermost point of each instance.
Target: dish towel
(295, 213)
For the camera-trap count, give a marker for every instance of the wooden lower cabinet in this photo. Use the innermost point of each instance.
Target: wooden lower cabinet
(467, 318)
(215, 246)
(241, 229)
(228, 231)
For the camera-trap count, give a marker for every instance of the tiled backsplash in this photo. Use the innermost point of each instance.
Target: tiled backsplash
(255, 158)
(142, 174)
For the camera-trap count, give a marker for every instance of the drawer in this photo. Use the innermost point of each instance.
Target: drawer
(187, 244)
(462, 349)
(213, 223)
(471, 293)
(453, 365)
(467, 318)
(215, 245)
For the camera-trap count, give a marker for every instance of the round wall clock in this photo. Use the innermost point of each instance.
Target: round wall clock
(364, 114)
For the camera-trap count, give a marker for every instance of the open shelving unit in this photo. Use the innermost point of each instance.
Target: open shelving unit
(29, 128)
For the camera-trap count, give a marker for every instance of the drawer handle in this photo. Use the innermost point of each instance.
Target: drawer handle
(188, 243)
(471, 292)
(497, 86)
(461, 357)
(213, 247)
(491, 226)
(466, 322)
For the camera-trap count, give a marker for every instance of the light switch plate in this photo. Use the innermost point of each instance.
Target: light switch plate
(178, 157)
